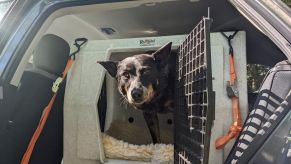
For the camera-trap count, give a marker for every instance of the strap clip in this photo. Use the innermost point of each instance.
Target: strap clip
(78, 43)
(229, 38)
(231, 89)
(56, 84)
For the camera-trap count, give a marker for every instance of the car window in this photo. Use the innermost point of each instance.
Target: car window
(4, 6)
(256, 74)
(287, 2)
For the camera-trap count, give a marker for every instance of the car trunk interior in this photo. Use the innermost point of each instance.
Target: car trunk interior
(166, 18)
(141, 20)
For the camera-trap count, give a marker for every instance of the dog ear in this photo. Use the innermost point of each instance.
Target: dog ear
(110, 66)
(162, 54)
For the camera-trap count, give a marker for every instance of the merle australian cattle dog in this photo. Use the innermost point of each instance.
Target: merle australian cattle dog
(146, 81)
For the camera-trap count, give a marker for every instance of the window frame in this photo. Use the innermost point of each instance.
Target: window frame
(256, 14)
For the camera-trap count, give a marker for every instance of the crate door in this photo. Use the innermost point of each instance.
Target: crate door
(194, 106)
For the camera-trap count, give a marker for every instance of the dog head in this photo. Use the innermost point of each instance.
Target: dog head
(141, 77)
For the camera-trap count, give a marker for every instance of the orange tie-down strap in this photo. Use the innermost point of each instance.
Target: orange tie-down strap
(232, 70)
(236, 127)
(44, 116)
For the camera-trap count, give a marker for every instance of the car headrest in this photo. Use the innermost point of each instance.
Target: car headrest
(51, 54)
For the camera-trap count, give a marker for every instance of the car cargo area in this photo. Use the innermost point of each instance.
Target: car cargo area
(100, 126)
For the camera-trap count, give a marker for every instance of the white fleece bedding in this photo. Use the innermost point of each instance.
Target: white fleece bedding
(155, 153)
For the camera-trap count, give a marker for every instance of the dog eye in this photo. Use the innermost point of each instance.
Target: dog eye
(143, 71)
(126, 75)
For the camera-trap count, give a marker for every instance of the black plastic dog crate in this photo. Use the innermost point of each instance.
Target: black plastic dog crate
(194, 106)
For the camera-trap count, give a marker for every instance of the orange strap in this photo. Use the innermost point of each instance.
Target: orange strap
(232, 70)
(43, 119)
(236, 127)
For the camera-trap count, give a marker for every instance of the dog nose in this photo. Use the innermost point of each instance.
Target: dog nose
(136, 93)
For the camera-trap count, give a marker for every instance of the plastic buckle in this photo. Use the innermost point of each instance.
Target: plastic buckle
(288, 139)
(231, 90)
(56, 84)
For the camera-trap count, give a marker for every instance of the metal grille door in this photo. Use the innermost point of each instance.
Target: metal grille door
(194, 106)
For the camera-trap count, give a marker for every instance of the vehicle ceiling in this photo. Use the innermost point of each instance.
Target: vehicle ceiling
(179, 17)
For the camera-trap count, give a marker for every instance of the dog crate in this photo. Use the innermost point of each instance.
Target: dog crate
(202, 69)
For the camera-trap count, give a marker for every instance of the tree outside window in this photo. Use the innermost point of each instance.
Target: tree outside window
(256, 74)
(287, 2)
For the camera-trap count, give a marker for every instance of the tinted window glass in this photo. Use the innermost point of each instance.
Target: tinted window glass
(287, 2)
(256, 74)
(4, 6)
